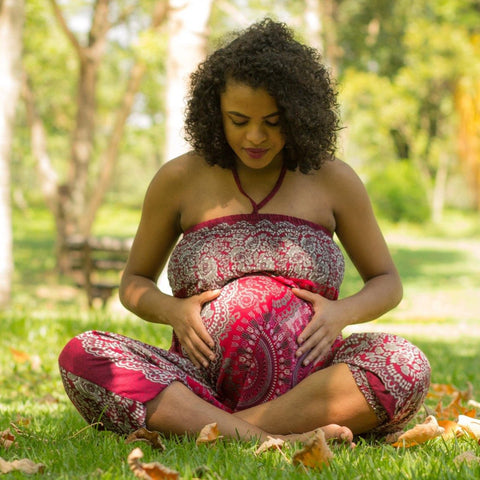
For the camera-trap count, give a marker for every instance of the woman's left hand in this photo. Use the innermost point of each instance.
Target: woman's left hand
(322, 330)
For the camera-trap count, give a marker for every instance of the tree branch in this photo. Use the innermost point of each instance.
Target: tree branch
(122, 17)
(110, 156)
(48, 176)
(63, 24)
(100, 24)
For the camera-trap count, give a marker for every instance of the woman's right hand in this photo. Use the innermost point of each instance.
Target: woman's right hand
(190, 329)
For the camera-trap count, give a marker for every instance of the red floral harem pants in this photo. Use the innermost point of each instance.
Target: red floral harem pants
(109, 377)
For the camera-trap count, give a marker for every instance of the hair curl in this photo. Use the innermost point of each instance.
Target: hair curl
(266, 55)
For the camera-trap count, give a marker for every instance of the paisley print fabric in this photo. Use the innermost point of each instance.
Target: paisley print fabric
(255, 260)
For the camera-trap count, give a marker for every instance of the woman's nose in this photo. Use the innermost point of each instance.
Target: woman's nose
(256, 134)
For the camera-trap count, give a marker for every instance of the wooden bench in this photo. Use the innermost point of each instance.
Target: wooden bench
(96, 263)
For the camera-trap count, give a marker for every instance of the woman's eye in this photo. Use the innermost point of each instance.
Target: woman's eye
(239, 123)
(276, 123)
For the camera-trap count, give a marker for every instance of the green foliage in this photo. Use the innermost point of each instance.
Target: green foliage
(399, 73)
(398, 193)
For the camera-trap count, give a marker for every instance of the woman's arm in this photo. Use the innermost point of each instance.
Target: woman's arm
(359, 233)
(157, 233)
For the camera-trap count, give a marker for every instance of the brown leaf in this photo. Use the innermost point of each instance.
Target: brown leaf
(149, 471)
(393, 437)
(208, 434)
(19, 356)
(22, 357)
(7, 438)
(468, 457)
(22, 421)
(473, 403)
(441, 389)
(48, 398)
(316, 453)
(420, 433)
(451, 411)
(144, 435)
(24, 465)
(471, 426)
(270, 444)
(450, 428)
(455, 398)
(204, 472)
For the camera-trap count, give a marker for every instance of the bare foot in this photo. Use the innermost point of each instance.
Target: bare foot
(339, 433)
(332, 432)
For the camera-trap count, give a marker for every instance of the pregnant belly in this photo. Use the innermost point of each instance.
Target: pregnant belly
(255, 323)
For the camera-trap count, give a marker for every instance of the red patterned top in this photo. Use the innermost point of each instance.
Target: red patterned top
(215, 252)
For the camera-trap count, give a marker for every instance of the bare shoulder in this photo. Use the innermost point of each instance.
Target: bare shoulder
(174, 178)
(338, 173)
(177, 171)
(343, 184)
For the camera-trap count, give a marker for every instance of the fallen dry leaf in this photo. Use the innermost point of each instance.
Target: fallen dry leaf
(144, 435)
(450, 428)
(270, 444)
(149, 471)
(48, 398)
(473, 403)
(22, 357)
(470, 425)
(7, 438)
(24, 465)
(420, 433)
(468, 457)
(204, 472)
(393, 437)
(316, 453)
(442, 389)
(19, 356)
(208, 434)
(453, 410)
(455, 398)
(22, 421)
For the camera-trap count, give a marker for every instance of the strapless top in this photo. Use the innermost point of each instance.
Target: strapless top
(218, 251)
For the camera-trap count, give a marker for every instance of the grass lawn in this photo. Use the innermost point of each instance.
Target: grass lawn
(440, 271)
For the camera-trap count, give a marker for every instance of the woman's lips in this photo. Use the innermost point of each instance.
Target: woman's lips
(256, 152)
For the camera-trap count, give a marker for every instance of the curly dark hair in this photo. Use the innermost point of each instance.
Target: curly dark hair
(266, 55)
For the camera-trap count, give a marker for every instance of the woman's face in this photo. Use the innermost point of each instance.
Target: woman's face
(251, 121)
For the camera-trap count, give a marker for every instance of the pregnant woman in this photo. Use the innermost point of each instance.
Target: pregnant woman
(250, 214)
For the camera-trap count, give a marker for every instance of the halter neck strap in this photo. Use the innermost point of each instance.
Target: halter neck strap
(257, 206)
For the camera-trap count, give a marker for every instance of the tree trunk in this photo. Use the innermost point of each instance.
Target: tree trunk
(12, 14)
(110, 155)
(186, 49)
(439, 188)
(332, 52)
(314, 24)
(187, 37)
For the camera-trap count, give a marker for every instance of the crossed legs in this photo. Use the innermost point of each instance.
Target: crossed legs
(327, 398)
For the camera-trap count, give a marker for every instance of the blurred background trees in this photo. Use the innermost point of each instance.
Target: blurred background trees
(11, 27)
(104, 80)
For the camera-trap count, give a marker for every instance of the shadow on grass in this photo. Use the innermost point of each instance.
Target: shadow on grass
(425, 268)
(453, 362)
(429, 266)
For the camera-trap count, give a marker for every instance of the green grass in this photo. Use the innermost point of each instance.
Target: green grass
(47, 312)
(54, 434)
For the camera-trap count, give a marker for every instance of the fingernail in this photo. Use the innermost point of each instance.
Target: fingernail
(306, 362)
